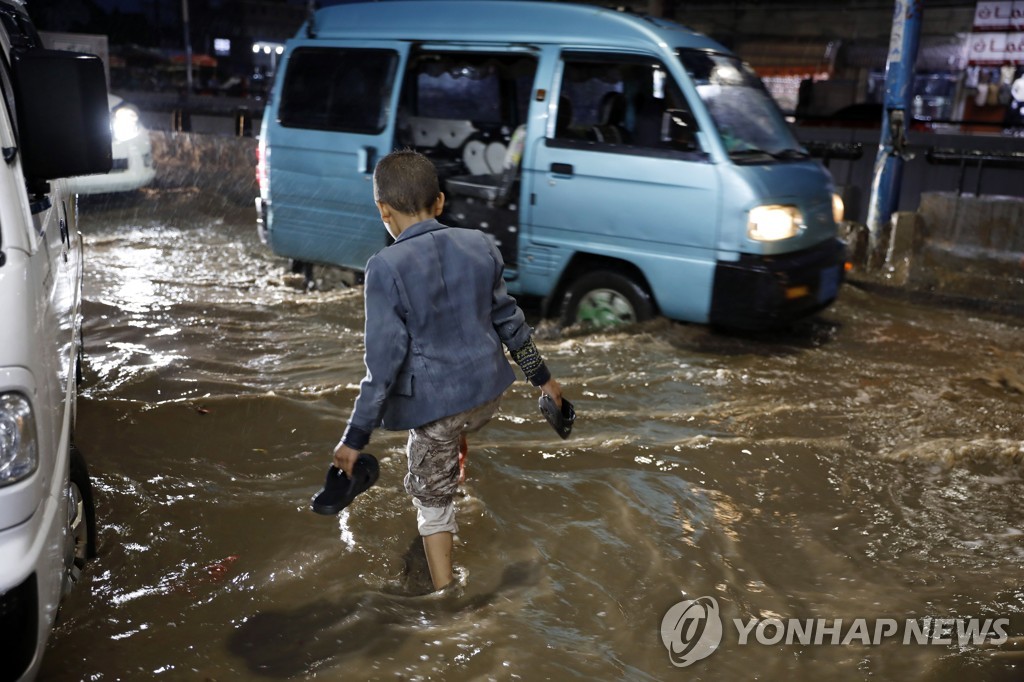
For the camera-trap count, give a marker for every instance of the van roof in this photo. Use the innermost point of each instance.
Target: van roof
(515, 21)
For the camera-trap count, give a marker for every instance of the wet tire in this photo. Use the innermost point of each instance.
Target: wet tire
(79, 359)
(300, 267)
(82, 518)
(606, 299)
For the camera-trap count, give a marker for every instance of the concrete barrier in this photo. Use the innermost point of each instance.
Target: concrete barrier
(223, 165)
(988, 222)
(964, 248)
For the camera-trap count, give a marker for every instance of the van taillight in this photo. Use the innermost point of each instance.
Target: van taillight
(262, 168)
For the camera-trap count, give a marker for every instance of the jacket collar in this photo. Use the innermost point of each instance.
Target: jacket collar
(422, 227)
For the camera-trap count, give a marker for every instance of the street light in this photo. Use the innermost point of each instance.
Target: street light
(269, 48)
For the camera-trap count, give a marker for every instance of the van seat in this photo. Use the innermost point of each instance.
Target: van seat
(495, 156)
(474, 155)
(429, 132)
(494, 187)
(483, 186)
(612, 128)
(482, 158)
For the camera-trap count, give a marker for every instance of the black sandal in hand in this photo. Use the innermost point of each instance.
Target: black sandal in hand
(339, 490)
(561, 420)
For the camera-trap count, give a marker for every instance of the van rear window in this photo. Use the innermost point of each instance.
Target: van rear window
(338, 89)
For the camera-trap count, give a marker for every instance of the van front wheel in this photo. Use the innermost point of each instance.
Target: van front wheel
(606, 299)
(81, 531)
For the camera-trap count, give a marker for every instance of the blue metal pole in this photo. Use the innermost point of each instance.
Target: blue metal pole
(899, 81)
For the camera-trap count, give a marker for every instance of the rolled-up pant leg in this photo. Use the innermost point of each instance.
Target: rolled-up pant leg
(433, 476)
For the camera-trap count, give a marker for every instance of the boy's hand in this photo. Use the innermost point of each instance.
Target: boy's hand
(551, 388)
(345, 458)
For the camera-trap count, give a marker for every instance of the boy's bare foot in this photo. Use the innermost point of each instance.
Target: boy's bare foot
(463, 451)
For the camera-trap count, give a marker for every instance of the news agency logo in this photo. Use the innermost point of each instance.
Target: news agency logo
(693, 629)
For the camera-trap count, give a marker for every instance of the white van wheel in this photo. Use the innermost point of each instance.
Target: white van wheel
(79, 358)
(606, 299)
(81, 519)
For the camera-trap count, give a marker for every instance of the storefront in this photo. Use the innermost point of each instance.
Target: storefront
(994, 77)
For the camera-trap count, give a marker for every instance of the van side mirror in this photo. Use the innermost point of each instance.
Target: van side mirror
(63, 118)
(679, 129)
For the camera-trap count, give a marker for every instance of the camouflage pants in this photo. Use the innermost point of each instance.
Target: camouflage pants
(433, 476)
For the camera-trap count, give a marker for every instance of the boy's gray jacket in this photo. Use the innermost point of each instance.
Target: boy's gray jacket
(437, 314)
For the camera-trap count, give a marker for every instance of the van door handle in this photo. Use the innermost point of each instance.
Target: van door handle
(561, 168)
(364, 159)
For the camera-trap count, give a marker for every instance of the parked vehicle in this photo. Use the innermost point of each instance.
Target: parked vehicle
(132, 155)
(54, 123)
(625, 165)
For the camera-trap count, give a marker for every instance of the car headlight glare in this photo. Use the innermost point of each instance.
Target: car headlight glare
(772, 223)
(19, 453)
(838, 208)
(124, 124)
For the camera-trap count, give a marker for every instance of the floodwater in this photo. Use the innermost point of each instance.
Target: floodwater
(865, 466)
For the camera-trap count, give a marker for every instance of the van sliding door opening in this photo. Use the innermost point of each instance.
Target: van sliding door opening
(466, 111)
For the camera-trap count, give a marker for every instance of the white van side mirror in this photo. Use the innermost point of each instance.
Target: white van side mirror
(63, 119)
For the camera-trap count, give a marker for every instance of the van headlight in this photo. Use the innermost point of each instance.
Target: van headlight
(124, 123)
(19, 454)
(772, 223)
(838, 208)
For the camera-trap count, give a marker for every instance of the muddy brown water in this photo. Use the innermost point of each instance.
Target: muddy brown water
(866, 465)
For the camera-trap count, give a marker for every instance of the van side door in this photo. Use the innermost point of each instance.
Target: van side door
(334, 118)
(610, 179)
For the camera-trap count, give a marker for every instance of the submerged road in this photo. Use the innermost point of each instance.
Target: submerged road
(867, 465)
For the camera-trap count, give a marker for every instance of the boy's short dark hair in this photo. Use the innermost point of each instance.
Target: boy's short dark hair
(407, 181)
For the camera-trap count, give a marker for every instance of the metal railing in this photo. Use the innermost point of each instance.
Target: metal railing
(976, 158)
(826, 151)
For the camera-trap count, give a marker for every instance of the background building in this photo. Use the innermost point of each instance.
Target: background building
(817, 58)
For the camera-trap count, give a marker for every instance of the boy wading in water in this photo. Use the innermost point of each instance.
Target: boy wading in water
(437, 314)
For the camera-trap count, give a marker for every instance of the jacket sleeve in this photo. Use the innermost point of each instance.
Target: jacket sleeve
(387, 343)
(510, 323)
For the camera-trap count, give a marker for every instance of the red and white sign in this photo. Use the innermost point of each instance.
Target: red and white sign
(999, 15)
(997, 49)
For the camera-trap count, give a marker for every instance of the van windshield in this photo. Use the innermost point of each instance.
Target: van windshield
(749, 122)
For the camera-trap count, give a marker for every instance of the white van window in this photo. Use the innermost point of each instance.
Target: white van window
(8, 140)
(617, 103)
(338, 89)
(748, 120)
(8, 92)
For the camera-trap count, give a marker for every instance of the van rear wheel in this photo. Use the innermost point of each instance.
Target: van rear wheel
(606, 299)
(304, 268)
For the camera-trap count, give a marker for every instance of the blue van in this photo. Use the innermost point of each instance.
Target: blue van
(625, 165)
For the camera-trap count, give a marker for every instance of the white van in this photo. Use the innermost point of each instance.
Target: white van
(54, 123)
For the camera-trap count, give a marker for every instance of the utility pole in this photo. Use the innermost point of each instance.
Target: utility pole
(188, 49)
(892, 152)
